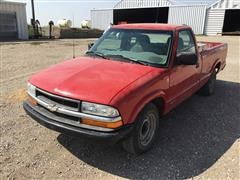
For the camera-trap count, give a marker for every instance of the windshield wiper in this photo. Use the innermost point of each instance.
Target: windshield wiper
(129, 59)
(97, 54)
(117, 56)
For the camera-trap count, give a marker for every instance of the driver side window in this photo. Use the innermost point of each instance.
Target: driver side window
(185, 42)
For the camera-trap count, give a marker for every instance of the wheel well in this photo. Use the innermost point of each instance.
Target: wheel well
(217, 67)
(159, 103)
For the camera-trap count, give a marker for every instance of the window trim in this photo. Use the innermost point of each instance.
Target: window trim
(192, 37)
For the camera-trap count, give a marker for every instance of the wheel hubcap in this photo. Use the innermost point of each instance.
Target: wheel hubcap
(148, 129)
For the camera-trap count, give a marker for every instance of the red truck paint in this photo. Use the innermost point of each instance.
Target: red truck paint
(89, 79)
(129, 87)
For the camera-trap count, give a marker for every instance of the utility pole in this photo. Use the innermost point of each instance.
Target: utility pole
(33, 20)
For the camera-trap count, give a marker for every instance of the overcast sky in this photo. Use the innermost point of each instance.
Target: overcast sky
(55, 10)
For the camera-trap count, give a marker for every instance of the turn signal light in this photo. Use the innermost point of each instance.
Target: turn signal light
(111, 125)
(32, 101)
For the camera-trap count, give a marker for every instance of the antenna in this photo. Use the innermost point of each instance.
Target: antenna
(73, 39)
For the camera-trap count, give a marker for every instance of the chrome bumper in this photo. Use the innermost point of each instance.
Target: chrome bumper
(48, 109)
(50, 122)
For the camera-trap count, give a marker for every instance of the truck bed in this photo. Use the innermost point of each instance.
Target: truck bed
(206, 46)
(212, 53)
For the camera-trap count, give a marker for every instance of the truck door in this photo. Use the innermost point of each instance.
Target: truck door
(184, 79)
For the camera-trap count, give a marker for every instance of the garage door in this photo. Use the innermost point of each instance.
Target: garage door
(231, 22)
(141, 15)
(8, 25)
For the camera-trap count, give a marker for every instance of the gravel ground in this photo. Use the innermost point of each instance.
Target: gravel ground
(199, 139)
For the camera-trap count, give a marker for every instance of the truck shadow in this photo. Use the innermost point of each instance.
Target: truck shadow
(191, 139)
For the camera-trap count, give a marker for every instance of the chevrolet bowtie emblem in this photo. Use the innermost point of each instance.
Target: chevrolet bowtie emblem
(52, 107)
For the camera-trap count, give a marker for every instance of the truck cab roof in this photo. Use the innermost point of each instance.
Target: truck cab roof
(151, 26)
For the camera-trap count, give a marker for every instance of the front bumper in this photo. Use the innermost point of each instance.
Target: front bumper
(109, 137)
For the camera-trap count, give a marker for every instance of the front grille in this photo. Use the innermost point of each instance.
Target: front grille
(60, 115)
(66, 103)
(70, 120)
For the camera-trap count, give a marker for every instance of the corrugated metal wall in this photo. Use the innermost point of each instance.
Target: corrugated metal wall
(202, 19)
(193, 16)
(226, 4)
(20, 10)
(214, 21)
(124, 4)
(101, 19)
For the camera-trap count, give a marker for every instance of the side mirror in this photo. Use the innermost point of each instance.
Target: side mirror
(187, 58)
(90, 45)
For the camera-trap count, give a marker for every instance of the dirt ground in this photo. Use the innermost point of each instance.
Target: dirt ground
(199, 139)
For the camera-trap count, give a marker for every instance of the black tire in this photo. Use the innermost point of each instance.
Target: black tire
(145, 131)
(209, 88)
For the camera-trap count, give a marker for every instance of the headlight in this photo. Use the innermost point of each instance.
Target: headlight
(100, 110)
(31, 89)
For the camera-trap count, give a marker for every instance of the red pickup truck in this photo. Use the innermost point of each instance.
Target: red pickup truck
(118, 91)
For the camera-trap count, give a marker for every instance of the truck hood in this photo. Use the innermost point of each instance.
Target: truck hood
(89, 79)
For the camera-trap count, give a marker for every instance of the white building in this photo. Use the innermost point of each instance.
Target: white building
(101, 18)
(222, 17)
(209, 19)
(13, 20)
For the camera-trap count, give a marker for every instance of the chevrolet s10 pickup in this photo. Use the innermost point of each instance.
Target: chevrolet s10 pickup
(132, 76)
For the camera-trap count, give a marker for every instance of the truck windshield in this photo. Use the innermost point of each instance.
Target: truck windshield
(147, 47)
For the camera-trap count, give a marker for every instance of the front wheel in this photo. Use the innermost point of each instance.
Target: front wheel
(144, 134)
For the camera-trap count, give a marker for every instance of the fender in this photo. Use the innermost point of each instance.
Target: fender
(145, 100)
(220, 59)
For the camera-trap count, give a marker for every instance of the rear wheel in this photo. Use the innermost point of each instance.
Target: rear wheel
(144, 134)
(209, 88)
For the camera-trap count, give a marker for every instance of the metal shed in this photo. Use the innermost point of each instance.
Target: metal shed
(101, 18)
(192, 15)
(137, 11)
(161, 11)
(13, 20)
(218, 17)
(125, 4)
(222, 17)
